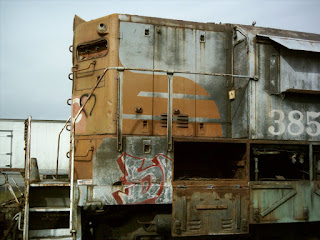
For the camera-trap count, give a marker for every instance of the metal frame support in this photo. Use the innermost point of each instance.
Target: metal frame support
(120, 101)
(311, 164)
(169, 114)
(256, 169)
(27, 183)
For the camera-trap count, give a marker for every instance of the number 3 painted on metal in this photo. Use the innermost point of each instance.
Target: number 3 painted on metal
(282, 127)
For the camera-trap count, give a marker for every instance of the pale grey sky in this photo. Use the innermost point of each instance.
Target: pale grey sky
(35, 36)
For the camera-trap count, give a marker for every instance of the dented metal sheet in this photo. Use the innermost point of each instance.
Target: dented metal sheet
(295, 43)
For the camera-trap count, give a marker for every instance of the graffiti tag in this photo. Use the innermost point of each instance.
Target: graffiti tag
(82, 118)
(143, 179)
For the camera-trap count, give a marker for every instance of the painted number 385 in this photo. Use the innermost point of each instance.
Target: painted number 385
(297, 125)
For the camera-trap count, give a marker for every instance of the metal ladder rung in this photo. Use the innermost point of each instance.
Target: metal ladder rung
(52, 238)
(50, 184)
(49, 209)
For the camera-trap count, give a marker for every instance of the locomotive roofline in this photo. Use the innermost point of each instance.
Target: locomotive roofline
(210, 26)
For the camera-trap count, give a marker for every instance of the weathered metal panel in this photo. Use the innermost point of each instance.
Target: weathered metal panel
(279, 117)
(210, 208)
(295, 43)
(299, 70)
(141, 174)
(212, 53)
(281, 202)
(174, 50)
(239, 106)
(136, 51)
(199, 105)
(83, 157)
(100, 112)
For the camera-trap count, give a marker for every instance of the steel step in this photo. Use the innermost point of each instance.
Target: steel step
(49, 209)
(51, 233)
(51, 183)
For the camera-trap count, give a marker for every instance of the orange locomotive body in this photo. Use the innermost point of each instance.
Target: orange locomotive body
(185, 130)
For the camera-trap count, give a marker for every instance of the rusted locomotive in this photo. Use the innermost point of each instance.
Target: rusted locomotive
(185, 129)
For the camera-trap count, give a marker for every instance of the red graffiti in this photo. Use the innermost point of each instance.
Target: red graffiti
(143, 179)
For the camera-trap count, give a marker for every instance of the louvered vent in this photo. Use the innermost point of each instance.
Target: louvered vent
(182, 121)
(163, 120)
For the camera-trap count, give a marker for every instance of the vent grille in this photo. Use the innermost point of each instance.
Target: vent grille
(194, 225)
(226, 224)
(163, 120)
(183, 121)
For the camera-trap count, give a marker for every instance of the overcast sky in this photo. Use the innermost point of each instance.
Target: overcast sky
(35, 37)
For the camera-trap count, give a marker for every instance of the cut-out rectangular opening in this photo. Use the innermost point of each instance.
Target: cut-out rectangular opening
(279, 162)
(94, 49)
(146, 146)
(209, 160)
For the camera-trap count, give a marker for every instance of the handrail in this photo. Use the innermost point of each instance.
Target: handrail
(182, 72)
(58, 148)
(73, 123)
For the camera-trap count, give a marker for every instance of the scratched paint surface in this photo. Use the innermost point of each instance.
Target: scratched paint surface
(82, 118)
(78, 102)
(143, 179)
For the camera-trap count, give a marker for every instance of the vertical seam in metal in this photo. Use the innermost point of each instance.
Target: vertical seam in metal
(310, 162)
(184, 214)
(238, 210)
(153, 81)
(120, 78)
(169, 114)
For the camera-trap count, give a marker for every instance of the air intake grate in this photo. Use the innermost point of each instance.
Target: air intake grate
(182, 121)
(164, 120)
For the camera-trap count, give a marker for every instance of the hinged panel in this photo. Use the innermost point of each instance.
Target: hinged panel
(211, 91)
(174, 50)
(283, 202)
(210, 208)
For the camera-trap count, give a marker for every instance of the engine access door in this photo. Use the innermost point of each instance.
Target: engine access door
(210, 189)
